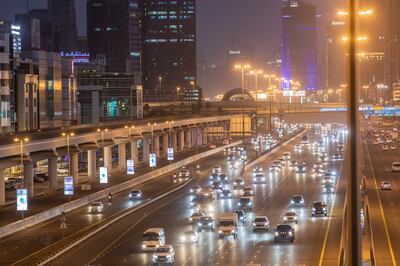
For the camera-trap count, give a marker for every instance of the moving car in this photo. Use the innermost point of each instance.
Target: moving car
(213, 146)
(184, 173)
(337, 156)
(228, 224)
(96, 207)
(225, 194)
(164, 254)
(301, 169)
(248, 189)
(286, 156)
(257, 169)
(238, 183)
(217, 169)
(284, 232)
(297, 147)
(259, 178)
(328, 188)
(246, 202)
(195, 189)
(297, 201)
(327, 180)
(319, 208)
(196, 216)
(293, 164)
(206, 223)
(290, 217)
(241, 215)
(260, 223)
(395, 167)
(386, 185)
(136, 194)
(217, 186)
(190, 237)
(153, 238)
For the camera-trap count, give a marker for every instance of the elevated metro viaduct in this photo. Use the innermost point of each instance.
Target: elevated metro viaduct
(139, 141)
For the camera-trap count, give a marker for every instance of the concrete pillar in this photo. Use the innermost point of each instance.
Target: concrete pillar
(92, 167)
(204, 131)
(134, 151)
(165, 144)
(226, 130)
(28, 177)
(121, 156)
(194, 137)
(181, 138)
(174, 141)
(52, 172)
(107, 157)
(74, 167)
(2, 188)
(156, 145)
(146, 149)
(188, 134)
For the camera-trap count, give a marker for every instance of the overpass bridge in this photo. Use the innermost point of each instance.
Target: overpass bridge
(138, 140)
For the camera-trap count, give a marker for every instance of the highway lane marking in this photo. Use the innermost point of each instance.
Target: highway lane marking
(381, 208)
(321, 258)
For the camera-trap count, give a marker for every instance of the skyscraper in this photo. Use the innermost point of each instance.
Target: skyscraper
(115, 33)
(299, 43)
(169, 48)
(63, 25)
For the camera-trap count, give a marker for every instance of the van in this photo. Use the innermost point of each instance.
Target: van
(153, 238)
(228, 224)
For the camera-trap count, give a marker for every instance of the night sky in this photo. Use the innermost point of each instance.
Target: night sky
(257, 22)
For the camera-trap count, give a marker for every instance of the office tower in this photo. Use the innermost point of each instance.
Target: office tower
(114, 34)
(63, 25)
(299, 43)
(30, 31)
(5, 79)
(169, 48)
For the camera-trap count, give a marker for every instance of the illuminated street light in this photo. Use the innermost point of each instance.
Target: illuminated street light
(68, 135)
(242, 68)
(102, 133)
(129, 129)
(256, 73)
(177, 93)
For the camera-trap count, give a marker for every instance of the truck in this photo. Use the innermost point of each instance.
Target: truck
(228, 224)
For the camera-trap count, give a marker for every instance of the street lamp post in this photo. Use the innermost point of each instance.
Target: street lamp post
(242, 68)
(256, 73)
(21, 148)
(177, 93)
(270, 100)
(68, 136)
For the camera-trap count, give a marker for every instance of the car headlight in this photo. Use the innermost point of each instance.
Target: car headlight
(199, 224)
(276, 233)
(254, 224)
(233, 231)
(220, 231)
(190, 219)
(239, 203)
(143, 246)
(290, 233)
(302, 201)
(210, 224)
(313, 209)
(168, 256)
(155, 257)
(324, 209)
(285, 218)
(130, 195)
(183, 238)
(292, 201)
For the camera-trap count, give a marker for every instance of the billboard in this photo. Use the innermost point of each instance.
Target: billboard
(22, 199)
(130, 167)
(103, 172)
(170, 154)
(68, 185)
(153, 160)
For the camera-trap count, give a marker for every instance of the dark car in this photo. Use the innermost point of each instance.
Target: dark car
(206, 223)
(297, 201)
(301, 169)
(337, 156)
(246, 203)
(214, 177)
(225, 194)
(241, 215)
(223, 177)
(319, 208)
(284, 232)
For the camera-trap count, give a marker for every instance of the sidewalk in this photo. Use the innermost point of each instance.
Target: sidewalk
(9, 213)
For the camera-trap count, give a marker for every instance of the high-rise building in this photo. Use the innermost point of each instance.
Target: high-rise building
(63, 25)
(30, 31)
(115, 34)
(392, 43)
(169, 48)
(299, 43)
(5, 81)
(334, 55)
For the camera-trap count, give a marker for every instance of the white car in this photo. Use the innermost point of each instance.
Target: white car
(196, 216)
(184, 173)
(327, 180)
(164, 254)
(96, 207)
(62, 171)
(217, 169)
(238, 183)
(261, 223)
(190, 237)
(290, 217)
(386, 185)
(136, 194)
(297, 147)
(195, 189)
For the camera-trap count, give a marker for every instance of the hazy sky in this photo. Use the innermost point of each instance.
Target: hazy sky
(257, 22)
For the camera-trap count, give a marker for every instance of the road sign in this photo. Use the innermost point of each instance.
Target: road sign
(68, 185)
(130, 167)
(22, 199)
(63, 225)
(103, 175)
(153, 160)
(170, 154)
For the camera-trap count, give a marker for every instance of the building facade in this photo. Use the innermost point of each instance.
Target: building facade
(169, 48)
(69, 92)
(115, 34)
(299, 43)
(5, 82)
(107, 96)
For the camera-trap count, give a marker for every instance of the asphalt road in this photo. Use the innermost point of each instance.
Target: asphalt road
(317, 239)
(384, 205)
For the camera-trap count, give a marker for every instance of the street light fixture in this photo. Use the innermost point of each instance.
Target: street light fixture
(177, 93)
(129, 129)
(256, 73)
(68, 136)
(100, 130)
(270, 100)
(21, 147)
(242, 68)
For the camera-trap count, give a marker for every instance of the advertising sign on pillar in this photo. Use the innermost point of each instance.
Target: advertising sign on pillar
(153, 160)
(22, 199)
(103, 175)
(130, 167)
(170, 154)
(68, 185)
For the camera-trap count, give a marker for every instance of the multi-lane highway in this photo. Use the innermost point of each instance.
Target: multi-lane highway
(383, 205)
(317, 238)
